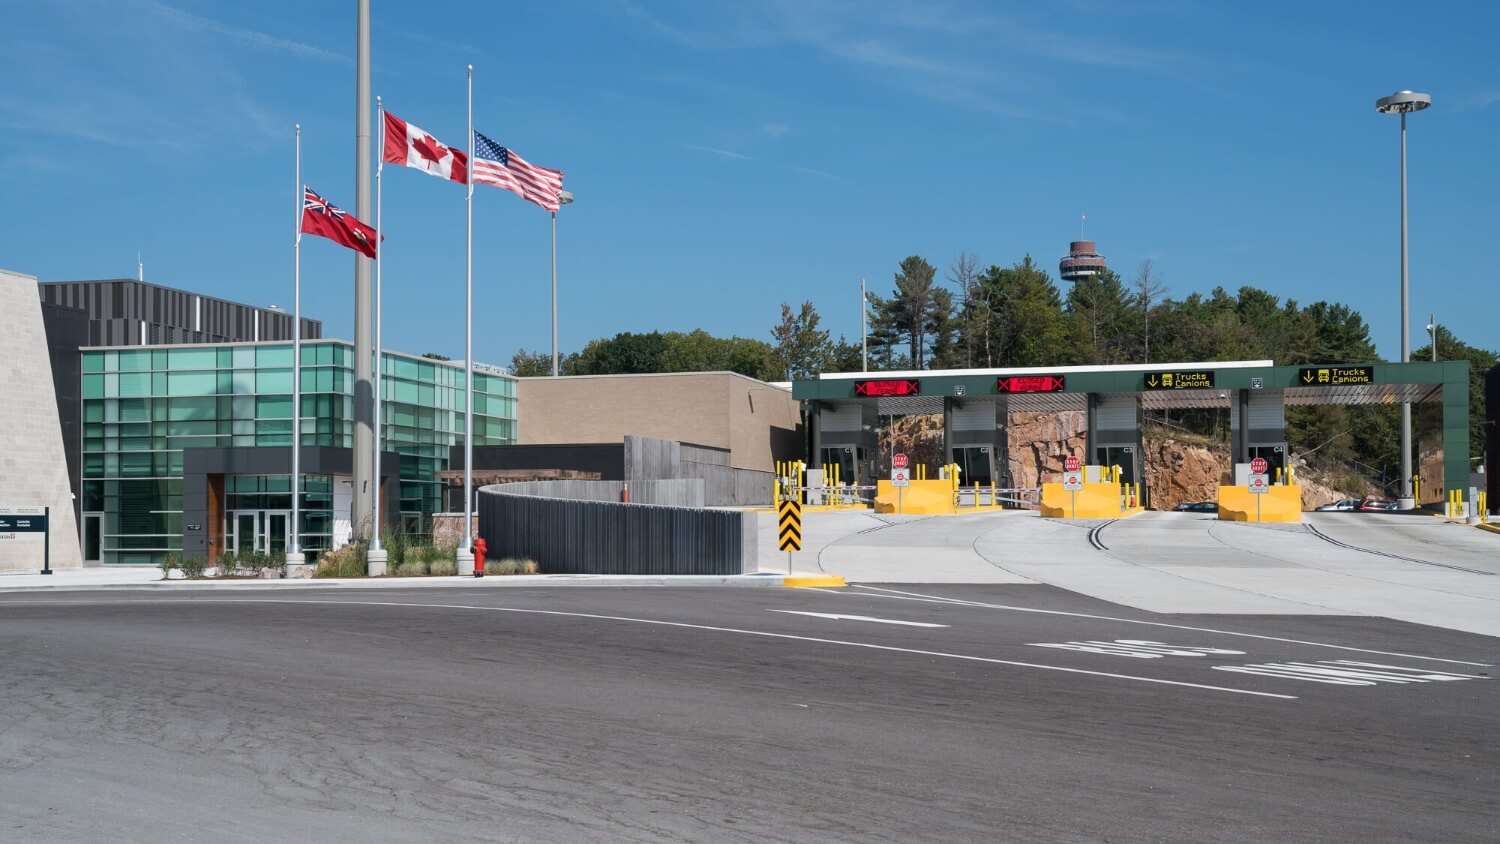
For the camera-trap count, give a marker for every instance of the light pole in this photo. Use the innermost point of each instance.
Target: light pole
(563, 198)
(1432, 332)
(1402, 103)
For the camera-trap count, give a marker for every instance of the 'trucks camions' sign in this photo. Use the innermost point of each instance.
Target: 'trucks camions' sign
(1195, 379)
(1336, 375)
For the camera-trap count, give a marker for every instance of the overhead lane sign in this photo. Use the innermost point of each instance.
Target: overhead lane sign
(1029, 384)
(1335, 375)
(888, 387)
(1196, 379)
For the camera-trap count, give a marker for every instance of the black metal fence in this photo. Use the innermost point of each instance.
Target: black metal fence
(572, 536)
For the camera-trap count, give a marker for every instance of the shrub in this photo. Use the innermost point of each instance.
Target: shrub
(348, 561)
(193, 567)
(229, 563)
(168, 562)
(510, 565)
(443, 567)
(396, 544)
(410, 568)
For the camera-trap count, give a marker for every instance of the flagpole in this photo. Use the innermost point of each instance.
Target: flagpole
(465, 554)
(375, 542)
(294, 557)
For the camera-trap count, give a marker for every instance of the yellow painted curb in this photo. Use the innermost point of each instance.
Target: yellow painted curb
(806, 581)
(1488, 527)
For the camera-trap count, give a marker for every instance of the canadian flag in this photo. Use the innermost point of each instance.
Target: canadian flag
(408, 145)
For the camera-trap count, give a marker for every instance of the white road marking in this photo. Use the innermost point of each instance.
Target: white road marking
(1135, 648)
(837, 617)
(896, 594)
(763, 633)
(1343, 672)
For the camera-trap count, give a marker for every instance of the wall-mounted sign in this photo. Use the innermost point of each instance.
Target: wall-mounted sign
(1197, 379)
(891, 387)
(958, 390)
(1257, 383)
(1335, 375)
(1029, 384)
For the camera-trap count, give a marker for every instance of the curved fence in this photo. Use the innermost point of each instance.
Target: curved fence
(582, 527)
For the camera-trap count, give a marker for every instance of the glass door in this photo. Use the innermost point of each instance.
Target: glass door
(246, 527)
(92, 525)
(974, 465)
(275, 538)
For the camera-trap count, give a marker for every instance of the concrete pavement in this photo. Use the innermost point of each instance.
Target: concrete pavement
(895, 713)
(1410, 568)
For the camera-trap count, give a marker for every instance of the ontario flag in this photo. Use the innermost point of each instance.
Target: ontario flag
(324, 219)
(409, 146)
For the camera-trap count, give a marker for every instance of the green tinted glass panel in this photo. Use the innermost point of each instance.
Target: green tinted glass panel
(244, 357)
(273, 381)
(273, 356)
(192, 409)
(194, 358)
(93, 361)
(135, 360)
(192, 383)
(273, 407)
(135, 383)
(93, 386)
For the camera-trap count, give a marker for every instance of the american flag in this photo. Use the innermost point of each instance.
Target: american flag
(501, 167)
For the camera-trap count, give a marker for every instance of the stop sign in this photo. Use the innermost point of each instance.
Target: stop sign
(898, 460)
(1258, 466)
(1071, 464)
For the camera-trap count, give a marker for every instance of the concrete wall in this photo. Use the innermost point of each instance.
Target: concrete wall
(647, 458)
(664, 493)
(756, 422)
(33, 466)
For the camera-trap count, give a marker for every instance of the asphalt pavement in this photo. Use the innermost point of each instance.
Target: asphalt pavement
(899, 712)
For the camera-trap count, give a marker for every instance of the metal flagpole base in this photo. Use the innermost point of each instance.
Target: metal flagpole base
(465, 563)
(296, 565)
(375, 562)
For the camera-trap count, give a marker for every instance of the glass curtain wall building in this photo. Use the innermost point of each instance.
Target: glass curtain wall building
(141, 406)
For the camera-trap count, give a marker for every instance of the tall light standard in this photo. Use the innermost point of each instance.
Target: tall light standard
(1432, 332)
(1403, 102)
(563, 198)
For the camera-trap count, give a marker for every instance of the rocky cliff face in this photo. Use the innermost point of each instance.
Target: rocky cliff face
(1176, 471)
(1040, 441)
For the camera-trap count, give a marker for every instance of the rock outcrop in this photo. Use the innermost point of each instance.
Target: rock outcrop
(1177, 471)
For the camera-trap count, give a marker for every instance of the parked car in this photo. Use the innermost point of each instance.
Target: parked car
(1377, 505)
(1342, 505)
(1197, 507)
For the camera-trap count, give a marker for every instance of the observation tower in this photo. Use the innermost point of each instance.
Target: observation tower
(1083, 261)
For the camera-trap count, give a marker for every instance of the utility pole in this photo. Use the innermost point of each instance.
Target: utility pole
(364, 398)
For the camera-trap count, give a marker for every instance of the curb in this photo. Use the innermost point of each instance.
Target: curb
(1488, 527)
(453, 582)
(810, 581)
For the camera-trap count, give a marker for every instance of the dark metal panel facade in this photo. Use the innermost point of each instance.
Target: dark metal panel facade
(600, 537)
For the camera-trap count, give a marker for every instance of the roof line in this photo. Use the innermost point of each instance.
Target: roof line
(1050, 370)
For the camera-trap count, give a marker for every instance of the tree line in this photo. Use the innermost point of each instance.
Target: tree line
(1005, 316)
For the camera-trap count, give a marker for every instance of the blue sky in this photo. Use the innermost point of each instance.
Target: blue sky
(729, 156)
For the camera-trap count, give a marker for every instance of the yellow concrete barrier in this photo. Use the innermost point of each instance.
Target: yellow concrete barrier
(923, 498)
(1277, 504)
(1095, 501)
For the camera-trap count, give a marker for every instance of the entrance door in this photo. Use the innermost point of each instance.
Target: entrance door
(92, 525)
(258, 531)
(1118, 455)
(975, 468)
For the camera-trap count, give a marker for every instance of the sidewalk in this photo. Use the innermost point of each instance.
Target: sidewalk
(149, 578)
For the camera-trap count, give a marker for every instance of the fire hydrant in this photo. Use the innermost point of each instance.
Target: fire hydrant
(479, 550)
